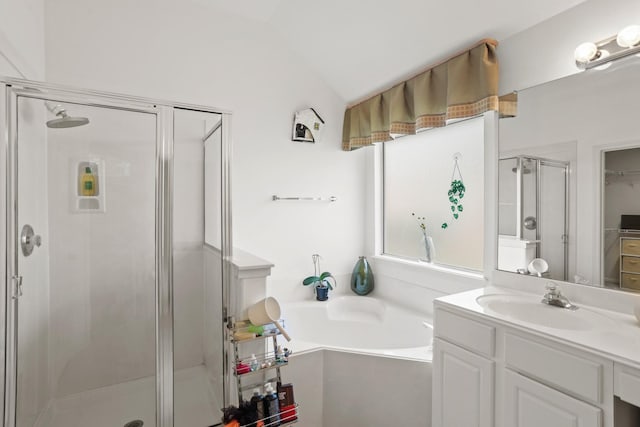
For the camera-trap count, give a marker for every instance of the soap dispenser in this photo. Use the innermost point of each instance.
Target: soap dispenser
(88, 183)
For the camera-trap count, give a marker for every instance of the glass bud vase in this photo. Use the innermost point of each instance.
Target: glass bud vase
(429, 249)
(362, 277)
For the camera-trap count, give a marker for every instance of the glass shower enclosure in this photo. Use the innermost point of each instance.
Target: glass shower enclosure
(115, 245)
(533, 198)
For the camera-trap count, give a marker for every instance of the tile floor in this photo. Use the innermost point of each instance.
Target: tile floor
(116, 405)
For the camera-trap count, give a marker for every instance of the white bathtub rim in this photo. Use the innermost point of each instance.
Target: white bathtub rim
(426, 315)
(408, 354)
(416, 353)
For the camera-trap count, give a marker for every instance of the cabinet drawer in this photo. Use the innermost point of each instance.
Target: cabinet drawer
(631, 246)
(630, 281)
(475, 336)
(626, 384)
(560, 369)
(631, 264)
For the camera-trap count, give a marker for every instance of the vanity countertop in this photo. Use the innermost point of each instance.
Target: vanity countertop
(610, 334)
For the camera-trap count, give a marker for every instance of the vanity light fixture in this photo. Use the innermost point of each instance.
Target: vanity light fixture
(626, 42)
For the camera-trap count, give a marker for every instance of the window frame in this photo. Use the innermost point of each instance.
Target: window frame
(413, 270)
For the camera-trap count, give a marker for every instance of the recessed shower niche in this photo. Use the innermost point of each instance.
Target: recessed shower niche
(87, 185)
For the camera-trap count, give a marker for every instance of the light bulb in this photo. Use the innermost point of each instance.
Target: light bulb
(585, 52)
(629, 36)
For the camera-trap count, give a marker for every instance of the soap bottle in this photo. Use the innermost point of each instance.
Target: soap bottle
(253, 363)
(87, 183)
(257, 403)
(280, 355)
(272, 408)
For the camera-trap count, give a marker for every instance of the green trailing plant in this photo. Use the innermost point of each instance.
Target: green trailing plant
(456, 193)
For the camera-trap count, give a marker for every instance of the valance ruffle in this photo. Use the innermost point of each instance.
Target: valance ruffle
(464, 86)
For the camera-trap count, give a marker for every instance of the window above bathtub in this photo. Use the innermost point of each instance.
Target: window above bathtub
(433, 196)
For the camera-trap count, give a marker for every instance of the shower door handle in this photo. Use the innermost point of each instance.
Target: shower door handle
(18, 292)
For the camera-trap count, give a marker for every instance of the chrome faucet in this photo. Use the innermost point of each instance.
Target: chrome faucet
(555, 298)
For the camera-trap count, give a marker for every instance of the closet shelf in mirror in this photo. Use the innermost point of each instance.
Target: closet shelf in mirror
(621, 231)
(610, 172)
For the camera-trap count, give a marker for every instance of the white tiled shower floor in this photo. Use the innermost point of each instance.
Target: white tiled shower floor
(116, 405)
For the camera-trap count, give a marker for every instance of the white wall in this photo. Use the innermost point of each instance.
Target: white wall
(188, 52)
(22, 49)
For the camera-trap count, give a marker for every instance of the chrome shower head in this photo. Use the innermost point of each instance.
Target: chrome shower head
(66, 121)
(525, 170)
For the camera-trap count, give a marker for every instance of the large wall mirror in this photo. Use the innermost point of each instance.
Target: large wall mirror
(569, 180)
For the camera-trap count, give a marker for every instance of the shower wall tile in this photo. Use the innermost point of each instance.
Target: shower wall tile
(102, 326)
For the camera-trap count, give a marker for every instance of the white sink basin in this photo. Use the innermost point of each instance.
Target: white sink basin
(531, 310)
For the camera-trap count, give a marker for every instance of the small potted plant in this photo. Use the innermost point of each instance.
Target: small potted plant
(322, 282)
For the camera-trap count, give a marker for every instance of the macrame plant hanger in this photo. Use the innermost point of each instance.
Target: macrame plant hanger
(456, 190)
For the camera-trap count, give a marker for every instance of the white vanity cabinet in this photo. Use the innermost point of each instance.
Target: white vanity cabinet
(466, 386)
(464, 372)
(488, 372)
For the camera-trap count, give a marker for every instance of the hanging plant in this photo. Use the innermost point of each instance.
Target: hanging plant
(456, 192)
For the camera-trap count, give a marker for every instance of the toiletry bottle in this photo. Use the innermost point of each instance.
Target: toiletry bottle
(279, 355)
(272, 408)
(257, 401)
(253, 363)
(87, 183)
(287, 403)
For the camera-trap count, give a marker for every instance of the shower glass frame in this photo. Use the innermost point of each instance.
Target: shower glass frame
(10, 90)
(539, 162)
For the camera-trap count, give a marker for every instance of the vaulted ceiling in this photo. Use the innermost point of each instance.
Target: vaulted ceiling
(360, 46)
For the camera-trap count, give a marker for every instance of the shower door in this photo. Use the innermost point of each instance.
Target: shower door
(85, 270)
(553, 217)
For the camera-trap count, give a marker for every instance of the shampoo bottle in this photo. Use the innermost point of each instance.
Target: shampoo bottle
(272, 408)
(257, 403)
(87, 183)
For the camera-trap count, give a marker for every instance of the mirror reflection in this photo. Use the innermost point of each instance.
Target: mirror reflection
(569, 180)
(622, 219)
(533, 201)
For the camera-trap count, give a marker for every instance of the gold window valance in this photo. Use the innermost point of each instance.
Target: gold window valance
(463, 86)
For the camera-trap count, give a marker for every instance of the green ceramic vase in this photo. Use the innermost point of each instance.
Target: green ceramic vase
(362, 277)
